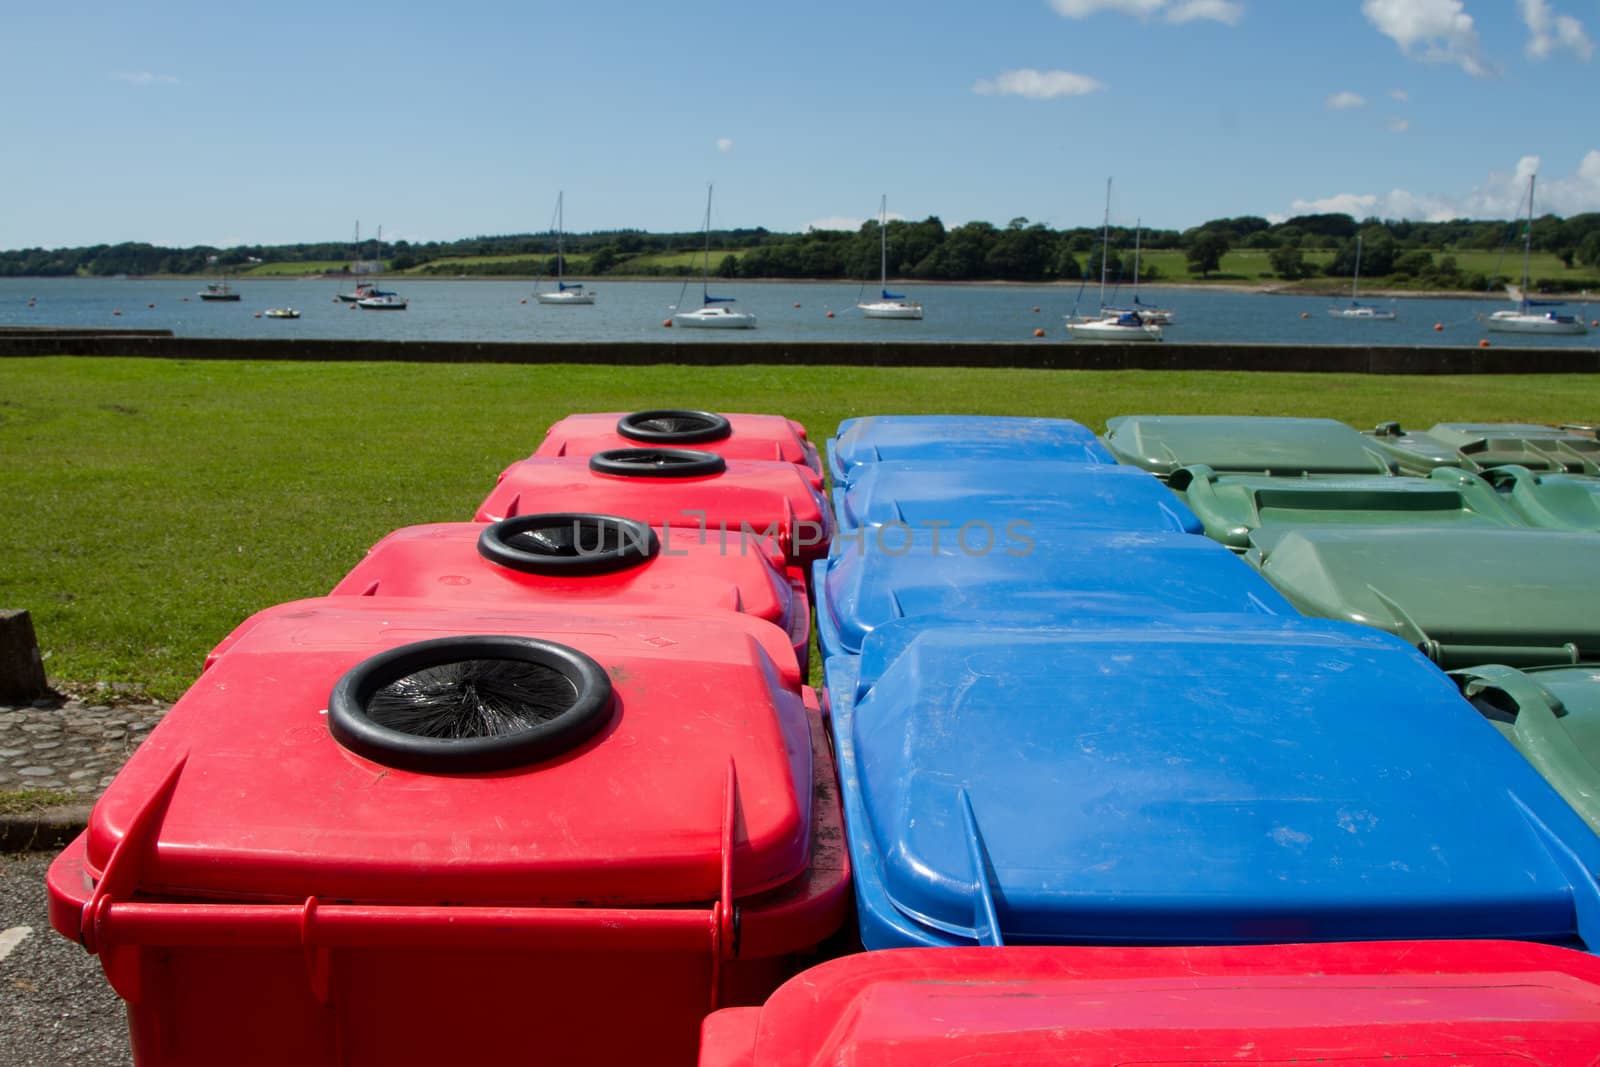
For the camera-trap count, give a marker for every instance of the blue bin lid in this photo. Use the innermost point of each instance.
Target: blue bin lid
(874, 438)
(997, 493)
(1192, 780)
(1053, 574)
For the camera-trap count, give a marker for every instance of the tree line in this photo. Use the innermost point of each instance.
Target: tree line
(976, 251)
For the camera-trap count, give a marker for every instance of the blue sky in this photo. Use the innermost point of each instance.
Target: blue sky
(182, 124)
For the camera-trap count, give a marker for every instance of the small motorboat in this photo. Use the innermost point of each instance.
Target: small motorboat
(383, 302)
(218, 291)
(281, 313)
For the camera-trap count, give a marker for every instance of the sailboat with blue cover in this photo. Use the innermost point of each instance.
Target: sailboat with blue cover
(1533, 316)
(1356, 309)
(574, 295)
(888, 305)
(713, 312)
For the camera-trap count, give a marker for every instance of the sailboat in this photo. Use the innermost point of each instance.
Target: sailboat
(563, 294)
(1358, 310)
(1527, 318)
(1154, 315)
(1111, 324)
(712, 314)
(374, 299)
(888, 305)
(364, 290)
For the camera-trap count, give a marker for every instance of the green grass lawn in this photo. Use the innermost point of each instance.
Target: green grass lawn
(152, 504)
(295, 270)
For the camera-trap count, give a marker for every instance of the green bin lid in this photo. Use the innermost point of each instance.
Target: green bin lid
(1479, 446)
(1463, 595)
(1232, 505)
(1246, 444)
(1552, 715)
(1552, 501)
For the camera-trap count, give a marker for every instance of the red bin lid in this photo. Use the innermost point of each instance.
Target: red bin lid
(661, 568)
(736, 436)
(718, 496)
(1439, 1004)
(262, 803)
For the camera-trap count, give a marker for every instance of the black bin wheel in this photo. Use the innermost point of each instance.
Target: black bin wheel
(473, 703)
(674, 426)
(657, 463)
(565, 542)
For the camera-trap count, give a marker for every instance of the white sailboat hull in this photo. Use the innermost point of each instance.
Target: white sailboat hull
(1535, 322)
(891, 309)
(715, 318)
(1112, 330)
(1364, 314)
(568, 299)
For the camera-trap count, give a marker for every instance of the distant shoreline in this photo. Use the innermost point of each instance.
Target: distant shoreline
(1260, 288)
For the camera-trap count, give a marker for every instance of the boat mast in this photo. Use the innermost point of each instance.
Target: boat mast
(1356, 280)
(705, 275)
(1527, 241)
(1105, 243)
(1138, 229)
(560, 229)
(883, 244)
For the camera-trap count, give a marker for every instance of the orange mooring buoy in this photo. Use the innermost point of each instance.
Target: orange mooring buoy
(1036, 309)
(149, 305)
(1305, 314)
(524, 300)
(258, 314)
(1038, 333)
(797, 303)
(1438, 326)
(667, 323)
(830, 314)
(1483, 343)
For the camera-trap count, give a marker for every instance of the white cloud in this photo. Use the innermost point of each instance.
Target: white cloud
(1344, 101)
(1222, 11)
(851, 223)
(1174, 11)
(145, 77)
(1398, 125)
(724, 144)
(1548, 31)
(1501, 195)
(1435, 31)
(836, 222)
(1399, 94)
(1037, 84)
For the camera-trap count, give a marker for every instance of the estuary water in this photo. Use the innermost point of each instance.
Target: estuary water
(484, 310)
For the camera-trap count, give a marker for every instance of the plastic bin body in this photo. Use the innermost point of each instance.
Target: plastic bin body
(953, 438)
(1189, 780)
(1464, 596)
(750, 495)
(1479, 1002)
(769, 437)
(1232, 505)
(1243, 444)
(1057, 574)
(1549, 501)
(691, 570)
(1552, 715)
(260, 894)
(1481, 446)
(1007, 497)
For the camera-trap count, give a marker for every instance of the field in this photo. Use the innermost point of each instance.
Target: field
(154, 504)
(295, 270)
